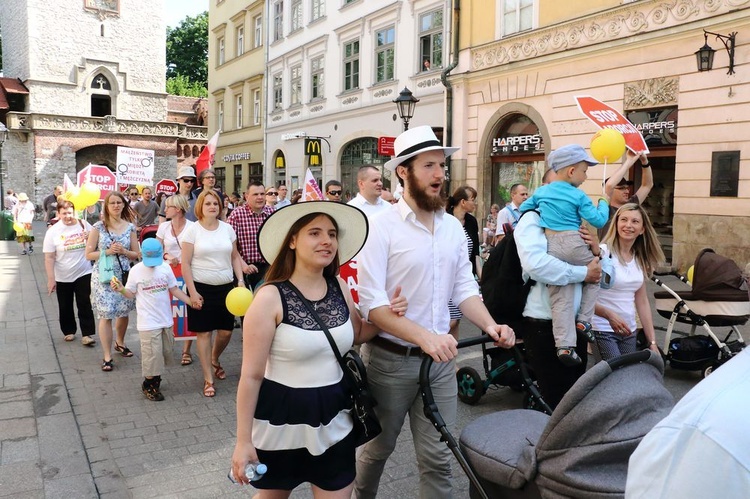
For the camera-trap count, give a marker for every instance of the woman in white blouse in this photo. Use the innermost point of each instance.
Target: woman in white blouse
(210, 263)
(168, 235)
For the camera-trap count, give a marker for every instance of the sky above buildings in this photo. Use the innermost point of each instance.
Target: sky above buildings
(176, 10)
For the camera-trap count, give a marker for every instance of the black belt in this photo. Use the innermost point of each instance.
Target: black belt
(538, 321)
(392, 347)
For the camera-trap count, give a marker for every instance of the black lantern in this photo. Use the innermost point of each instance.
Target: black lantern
(705, 55)
(3, 138)
(406, 102)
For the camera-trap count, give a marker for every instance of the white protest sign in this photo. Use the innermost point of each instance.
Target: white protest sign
(135, 166)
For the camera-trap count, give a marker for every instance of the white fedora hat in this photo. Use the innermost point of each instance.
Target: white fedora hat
(352, 227)
(416, 141)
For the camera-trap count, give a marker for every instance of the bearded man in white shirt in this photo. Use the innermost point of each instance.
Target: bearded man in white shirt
(415, 245)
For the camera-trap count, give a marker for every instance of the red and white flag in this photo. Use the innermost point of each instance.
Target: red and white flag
(311, 191)
(67, 183)
(206, 159)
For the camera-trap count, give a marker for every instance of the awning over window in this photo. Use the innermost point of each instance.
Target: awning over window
(8, 88)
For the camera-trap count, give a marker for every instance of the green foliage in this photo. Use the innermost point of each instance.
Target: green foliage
(187, 56)
(181, 85)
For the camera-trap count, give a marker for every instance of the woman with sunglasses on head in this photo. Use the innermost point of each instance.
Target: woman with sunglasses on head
(210, 264)
(293, 405)
(114, 235)
(168, 235)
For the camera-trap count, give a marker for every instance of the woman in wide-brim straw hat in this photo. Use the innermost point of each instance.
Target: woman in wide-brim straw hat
(23, 214)
(290, 378)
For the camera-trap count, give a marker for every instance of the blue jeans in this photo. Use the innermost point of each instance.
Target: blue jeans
(394, 381)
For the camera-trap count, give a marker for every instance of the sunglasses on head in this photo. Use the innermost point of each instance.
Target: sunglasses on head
(334, 193)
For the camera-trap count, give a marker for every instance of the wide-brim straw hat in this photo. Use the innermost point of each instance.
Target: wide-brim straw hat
(352, 227)
(23, 197)
(416, 141)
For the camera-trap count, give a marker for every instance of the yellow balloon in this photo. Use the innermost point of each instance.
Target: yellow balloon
(238, 301)
(607, 145)
(67, 195)
(690, 273)
(89, 194)
(18, 227)
(140, 188)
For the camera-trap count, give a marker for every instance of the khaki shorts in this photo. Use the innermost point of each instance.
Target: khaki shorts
(156, 351)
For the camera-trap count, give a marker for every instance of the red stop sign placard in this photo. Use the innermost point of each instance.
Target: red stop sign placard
(167, 186)
(604, 116)
(99, 175)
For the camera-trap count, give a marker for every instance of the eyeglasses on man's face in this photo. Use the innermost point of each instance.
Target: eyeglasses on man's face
(334, 193)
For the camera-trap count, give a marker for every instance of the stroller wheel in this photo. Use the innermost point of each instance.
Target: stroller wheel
(470, 386)
(709, 369)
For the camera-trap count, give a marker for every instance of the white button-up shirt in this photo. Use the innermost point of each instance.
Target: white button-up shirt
(430, 267)
(370, 209)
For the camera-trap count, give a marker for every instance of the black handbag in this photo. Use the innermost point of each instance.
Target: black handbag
(366, 423)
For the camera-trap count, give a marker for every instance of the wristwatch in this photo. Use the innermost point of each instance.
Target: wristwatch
(647, 165)
(652, 343)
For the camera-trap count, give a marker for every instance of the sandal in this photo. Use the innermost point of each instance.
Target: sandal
(219, 371)
(208, 389)
(124, 351)
(107, 365)
(187, 359)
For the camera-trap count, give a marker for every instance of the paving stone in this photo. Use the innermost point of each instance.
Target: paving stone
(18, 428)
(18, 478)
(79, 486)
(19, 450)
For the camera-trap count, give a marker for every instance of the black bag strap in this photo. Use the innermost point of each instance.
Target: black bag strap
(317, 318)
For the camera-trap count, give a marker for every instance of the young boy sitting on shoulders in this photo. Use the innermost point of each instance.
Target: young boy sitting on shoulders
(150, 282)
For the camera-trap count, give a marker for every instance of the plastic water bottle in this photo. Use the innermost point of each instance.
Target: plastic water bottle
(253, 471)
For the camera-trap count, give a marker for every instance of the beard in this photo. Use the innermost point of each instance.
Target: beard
(418, 193)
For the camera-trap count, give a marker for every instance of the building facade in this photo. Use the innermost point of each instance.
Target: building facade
(333, 71)
(523, 63)
(95, 75)
(236, 90)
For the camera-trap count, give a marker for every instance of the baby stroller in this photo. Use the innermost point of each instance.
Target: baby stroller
(502, 367)
(581, 450)
(719, 298)
(147, 232)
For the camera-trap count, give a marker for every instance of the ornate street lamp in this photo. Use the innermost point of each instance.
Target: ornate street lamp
(3, 138)
(406, 102)
(705, 55)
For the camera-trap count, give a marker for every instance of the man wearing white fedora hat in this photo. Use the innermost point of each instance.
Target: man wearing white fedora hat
(414, 244)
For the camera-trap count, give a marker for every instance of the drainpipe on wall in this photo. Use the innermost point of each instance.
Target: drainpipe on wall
(448, 135)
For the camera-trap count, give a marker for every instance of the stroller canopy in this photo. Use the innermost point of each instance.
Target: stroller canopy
(717, 278)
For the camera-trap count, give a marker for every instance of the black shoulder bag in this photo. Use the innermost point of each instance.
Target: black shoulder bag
(366, 424)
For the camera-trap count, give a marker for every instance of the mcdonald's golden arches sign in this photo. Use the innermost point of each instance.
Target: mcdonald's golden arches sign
(312, 150)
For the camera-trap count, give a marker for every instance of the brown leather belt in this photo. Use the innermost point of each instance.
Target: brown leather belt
(392, 347)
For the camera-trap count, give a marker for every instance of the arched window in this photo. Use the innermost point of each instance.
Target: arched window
(101, 98)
